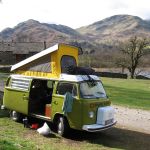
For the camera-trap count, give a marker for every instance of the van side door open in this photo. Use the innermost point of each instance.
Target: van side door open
(40, 97)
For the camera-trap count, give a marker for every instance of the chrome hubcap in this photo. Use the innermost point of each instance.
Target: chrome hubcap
(14, 115)
(60, 128)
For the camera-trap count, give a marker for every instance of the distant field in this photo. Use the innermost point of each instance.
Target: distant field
(128, 92)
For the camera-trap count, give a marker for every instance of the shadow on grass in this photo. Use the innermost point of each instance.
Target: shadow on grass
(115, 138)
(51, 135)
(4, 113)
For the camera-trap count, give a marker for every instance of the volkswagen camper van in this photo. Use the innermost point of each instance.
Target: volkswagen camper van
(69, 100)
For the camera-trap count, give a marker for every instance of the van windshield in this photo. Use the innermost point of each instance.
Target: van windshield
(92, 90)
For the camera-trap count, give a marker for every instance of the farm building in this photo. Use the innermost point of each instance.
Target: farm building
(13, 52)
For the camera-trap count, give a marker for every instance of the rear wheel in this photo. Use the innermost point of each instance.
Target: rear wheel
(15, 116)
(62, 126)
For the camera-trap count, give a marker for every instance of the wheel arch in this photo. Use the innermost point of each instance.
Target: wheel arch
(57, 116)
(16, 116)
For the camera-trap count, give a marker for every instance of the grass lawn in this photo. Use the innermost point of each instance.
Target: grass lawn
(13, 136)
(128, 92)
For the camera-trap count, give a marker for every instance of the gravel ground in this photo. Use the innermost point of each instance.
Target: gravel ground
(133, 119)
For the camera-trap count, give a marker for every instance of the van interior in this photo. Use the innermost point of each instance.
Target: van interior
(40, 96)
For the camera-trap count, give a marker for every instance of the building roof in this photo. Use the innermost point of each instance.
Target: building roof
(21, 47)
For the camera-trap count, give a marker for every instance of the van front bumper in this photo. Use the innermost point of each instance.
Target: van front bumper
(97, 127)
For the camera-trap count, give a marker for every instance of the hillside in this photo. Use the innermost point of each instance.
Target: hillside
(101, 35)
(118, 27)
(32, 30)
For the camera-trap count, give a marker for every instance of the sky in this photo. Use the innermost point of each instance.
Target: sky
(72, 13)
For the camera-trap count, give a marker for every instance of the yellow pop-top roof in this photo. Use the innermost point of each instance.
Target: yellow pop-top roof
(49, 62)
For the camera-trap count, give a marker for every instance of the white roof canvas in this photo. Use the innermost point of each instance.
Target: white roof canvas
(34, 57)
(63, 77)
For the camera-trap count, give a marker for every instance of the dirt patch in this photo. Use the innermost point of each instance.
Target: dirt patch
(134, 119)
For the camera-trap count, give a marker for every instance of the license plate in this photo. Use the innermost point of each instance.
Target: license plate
(108, 121)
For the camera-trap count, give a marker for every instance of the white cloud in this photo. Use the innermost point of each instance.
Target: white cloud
(73, 13)
(118, 4)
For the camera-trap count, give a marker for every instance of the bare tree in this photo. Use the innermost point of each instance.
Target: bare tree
(132, 51)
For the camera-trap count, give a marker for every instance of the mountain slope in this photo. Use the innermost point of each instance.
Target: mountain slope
(32, 30)
(118, 27)
(101, 35)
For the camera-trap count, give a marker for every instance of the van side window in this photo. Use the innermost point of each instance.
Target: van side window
(62, 88)
(20, 83)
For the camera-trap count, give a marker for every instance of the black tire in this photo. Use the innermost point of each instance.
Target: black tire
(62, 126)
(15, 116)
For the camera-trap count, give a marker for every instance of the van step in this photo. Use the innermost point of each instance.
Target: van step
(40, 116)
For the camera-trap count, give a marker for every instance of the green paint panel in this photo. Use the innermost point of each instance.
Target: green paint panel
(92, 105)
(16, 100)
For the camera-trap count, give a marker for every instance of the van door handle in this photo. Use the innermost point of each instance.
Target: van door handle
(55, 102)
(25, 97)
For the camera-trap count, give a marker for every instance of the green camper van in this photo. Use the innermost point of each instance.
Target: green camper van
(76, 101)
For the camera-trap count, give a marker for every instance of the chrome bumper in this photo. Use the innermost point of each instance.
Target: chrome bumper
(97, 127)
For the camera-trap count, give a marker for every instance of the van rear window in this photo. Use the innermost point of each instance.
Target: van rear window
(67, 61)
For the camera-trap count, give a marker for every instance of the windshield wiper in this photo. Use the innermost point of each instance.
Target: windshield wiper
(88, 95)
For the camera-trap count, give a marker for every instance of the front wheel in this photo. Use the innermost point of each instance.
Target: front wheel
(15, 116)
(63, 126)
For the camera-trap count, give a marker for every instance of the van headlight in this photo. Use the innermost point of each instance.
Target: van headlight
(91, 114)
